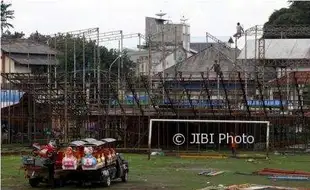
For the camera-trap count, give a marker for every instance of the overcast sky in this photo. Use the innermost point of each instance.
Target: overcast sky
(219, 17)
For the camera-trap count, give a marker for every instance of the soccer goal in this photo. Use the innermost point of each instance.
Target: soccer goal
(224, 136)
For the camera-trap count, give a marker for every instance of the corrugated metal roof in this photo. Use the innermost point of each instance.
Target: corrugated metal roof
(33, 59)
(279, 49)
(26, 46)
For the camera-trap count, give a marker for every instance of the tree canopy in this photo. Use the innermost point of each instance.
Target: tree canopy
(16, 35)
(6, 15)
(296, 15)
(72, 50)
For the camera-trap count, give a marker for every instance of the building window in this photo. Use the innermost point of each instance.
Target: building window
(142, 67)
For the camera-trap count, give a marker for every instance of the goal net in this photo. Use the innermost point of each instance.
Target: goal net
(208, 135)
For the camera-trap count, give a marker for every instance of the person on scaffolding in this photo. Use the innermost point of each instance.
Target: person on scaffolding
(240, 31)
(233, 145)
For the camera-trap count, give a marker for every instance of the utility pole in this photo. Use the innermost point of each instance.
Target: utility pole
(122, 64)
(98, 67)
(66, 91)
(150, 63)
(119, 69)
(84, 64)
(74, 68)
(163, 58)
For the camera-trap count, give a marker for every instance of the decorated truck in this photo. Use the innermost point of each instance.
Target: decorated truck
(83, 162)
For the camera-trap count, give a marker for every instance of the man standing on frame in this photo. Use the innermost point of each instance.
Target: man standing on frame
(239, 32)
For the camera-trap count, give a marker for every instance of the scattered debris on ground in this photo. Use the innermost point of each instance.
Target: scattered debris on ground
(258, 187)
(248, 187)
(219, 187)
(251, 161)
(157, 152)
(240, 186)
(292, 178)
(278, 172)
(210, 172)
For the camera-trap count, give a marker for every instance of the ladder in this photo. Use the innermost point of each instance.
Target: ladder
(223, 44)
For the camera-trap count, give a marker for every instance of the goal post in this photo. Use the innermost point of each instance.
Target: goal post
(151, 121)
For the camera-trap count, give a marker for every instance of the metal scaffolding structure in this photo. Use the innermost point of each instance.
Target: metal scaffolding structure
(267, 69)
(91, 101)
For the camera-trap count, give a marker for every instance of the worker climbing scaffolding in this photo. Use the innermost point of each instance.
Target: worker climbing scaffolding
(239, 32)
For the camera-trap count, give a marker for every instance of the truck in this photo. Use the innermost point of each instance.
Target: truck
(83, 162)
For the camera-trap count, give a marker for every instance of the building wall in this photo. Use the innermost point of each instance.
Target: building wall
(142, 60)
(9, 66)
(173, 33)
(169, 62)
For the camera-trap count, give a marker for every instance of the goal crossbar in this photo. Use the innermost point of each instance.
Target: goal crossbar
(206, 121)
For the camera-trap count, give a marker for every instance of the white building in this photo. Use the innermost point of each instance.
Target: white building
(163, 34)
(141, 58)
(172, 34)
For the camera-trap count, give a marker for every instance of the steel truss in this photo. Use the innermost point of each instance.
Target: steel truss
(263, 65)
(84, 96)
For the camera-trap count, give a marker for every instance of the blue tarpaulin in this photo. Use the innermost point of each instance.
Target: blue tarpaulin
(10, 97)
(130, 100)
(270, 103)
(143, 99)
(196, 102)
(199, 85)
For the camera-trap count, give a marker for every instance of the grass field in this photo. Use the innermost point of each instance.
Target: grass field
(176, 173)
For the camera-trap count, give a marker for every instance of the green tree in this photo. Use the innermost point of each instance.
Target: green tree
(73, 48)
(16, 35)
(6, 15)
(297, 14)
(36, 36)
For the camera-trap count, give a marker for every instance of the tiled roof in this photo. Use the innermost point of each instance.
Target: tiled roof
(199, 46)
(24, 59)
(302, 77)
(204, 61)
(25, 46)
